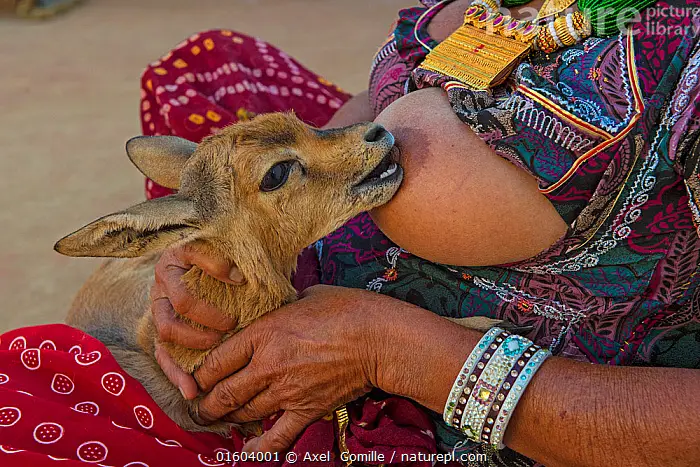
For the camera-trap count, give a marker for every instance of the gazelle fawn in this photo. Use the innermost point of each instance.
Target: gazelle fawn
(255, 194)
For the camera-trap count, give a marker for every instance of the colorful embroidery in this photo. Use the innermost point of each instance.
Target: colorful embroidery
(620, 161)
(612, 181)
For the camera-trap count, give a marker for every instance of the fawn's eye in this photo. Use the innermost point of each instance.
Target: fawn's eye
(276, 176)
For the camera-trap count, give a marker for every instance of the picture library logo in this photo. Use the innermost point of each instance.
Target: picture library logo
(673, 12)
(656, 20)
(656, 26)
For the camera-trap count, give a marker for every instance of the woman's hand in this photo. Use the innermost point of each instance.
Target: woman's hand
(170, 299)
(307, 359)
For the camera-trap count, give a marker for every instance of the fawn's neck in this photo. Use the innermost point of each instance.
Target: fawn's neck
(268, 286)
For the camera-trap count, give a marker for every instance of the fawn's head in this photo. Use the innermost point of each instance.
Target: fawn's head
(256, 193)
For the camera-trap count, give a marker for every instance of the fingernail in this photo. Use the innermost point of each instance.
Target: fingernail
(236, 276)
(250, 446)
(182, 391)
(194, 415)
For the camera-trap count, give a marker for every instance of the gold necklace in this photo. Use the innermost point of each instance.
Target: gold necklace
(485, 50)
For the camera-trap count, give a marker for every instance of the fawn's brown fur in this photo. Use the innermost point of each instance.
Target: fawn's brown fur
(221, 209)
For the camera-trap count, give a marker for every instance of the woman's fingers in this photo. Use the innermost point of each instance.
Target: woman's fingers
(229, 395)
(185, 382)
(261, 406)
(169, 271)
(215, 267)
(281, 435)
(172, 330)
(226, 359)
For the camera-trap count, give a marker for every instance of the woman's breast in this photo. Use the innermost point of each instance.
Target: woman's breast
(460, 202)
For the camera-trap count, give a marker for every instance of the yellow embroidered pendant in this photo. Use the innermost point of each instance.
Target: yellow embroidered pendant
(484, 51)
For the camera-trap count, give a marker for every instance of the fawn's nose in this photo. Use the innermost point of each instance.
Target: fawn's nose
(375, 134)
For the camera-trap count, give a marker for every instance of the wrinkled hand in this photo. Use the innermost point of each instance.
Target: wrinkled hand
(307, 358)
(170, 299)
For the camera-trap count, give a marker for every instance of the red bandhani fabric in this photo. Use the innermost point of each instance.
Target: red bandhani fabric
(63, 397)
(219, 77)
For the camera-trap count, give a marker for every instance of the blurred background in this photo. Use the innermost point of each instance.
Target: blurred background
(69, 99)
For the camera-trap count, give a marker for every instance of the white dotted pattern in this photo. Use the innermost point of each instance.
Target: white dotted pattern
(86, 359)
(9, 416)
(48, 433)
(47, 345)
(113, 383)
(18, 343)
(144, 416)
(92, 451)
(87, 407)
(62, 384)
(208, 461)
(31, 359)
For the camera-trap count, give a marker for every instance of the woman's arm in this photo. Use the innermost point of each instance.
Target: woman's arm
(572, 414)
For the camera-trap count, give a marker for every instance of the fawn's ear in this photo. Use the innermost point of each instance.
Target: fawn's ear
(144, 228)
(160, 158)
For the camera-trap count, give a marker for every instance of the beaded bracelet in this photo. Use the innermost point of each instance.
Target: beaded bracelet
(461, 410)
(504, 391)
(466, 370)
(513, 397)
(490, 384)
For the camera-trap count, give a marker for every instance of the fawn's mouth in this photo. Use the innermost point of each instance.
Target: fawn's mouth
(383, 180)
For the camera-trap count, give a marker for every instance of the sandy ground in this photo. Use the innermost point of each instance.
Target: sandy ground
(69, 96)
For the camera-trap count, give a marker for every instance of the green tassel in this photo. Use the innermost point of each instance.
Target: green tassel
(610, 17)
